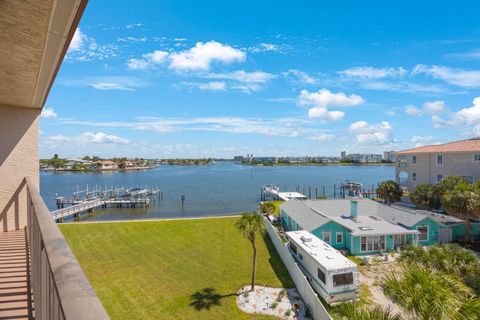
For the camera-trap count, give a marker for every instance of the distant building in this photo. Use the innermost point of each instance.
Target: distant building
(431, 164)
(343, 155)
(390, 156)
(238, 158)
(264, 159)
(105, 165)
(364, 158)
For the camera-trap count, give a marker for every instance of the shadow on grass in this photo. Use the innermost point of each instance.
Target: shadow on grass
(207, 298)
(277, 264)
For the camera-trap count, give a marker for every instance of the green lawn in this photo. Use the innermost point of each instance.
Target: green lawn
(150, 270)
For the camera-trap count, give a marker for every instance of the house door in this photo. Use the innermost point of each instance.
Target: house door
(399, 240)
(445, 235)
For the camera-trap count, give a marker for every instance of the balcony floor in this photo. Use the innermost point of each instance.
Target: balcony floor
(15, 297)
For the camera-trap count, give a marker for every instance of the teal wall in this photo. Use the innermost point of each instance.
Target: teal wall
(433, 227)
(333, 227)
(458, 231)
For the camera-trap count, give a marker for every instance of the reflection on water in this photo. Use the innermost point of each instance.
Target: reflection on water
(219, 189)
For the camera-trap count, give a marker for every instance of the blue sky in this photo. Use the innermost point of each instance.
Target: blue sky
(220, 78)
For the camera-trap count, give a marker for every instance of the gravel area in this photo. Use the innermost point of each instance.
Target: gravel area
(271, 301)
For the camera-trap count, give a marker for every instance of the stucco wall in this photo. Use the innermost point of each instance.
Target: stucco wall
(427, 169)
(18, 159)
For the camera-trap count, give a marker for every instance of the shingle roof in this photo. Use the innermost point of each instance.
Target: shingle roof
(311, 214)
(303, 214)
(468, 145)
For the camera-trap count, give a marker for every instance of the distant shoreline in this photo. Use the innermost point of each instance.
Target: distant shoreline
(335, 164)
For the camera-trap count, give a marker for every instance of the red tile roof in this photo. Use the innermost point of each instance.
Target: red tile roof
(468, 145)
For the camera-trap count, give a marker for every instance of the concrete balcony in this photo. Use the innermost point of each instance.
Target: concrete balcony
(40, 277)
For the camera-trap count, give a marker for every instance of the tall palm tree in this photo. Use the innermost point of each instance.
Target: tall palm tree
(425, 197)
(390, 191)
(462, 202)
(250, 224)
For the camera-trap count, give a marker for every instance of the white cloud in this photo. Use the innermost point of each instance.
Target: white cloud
(374, 73)
(148, 60)
(476, 130)
(322, 99)
(203, 55)
(213, 86)
(434, 107)
(84, 48)
(464, 117)
(243, 76)
(429, 107)
(90, 137)
(48, 113)
(133, 25)
(422, 140)
(206, 86)
(298, 76)
(413, 111)
(458, 77)
(77, 40)
(322, 137)
(106, 83)
(132, 39)
(470, 55)
(365, 133)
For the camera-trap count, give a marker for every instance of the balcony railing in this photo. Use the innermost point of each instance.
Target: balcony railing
(60, 288)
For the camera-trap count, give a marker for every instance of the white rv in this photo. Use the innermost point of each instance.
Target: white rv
(332, 275)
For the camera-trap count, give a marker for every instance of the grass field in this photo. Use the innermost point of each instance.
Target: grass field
(157, 270)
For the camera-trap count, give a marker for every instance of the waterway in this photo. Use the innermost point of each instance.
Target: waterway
(219, 189)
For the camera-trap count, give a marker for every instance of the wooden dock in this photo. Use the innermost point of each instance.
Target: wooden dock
(112, 198)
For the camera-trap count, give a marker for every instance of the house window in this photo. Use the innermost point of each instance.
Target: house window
(326, 235)
(414, 176)
(293, 248)
(372, 243)
(339, 236)
(439, 159)
(414, 159)
(439, 177)
(423, 236)
(321, 275)
(342, 279)
(476, 157)
(469, 179)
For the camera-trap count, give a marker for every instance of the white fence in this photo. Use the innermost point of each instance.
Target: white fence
(304, 289)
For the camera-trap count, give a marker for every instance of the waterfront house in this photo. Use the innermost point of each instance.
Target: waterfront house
(104, 165)
(362, 226)
(41, 279)
(430, 164)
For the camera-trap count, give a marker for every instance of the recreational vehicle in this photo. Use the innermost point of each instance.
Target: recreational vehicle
(332, 275)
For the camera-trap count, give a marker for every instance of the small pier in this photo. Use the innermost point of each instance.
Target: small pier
(89, 200)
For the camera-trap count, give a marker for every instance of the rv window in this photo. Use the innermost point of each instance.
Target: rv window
(321, 275)
(300, 256)
(342, 279)
(293, 248)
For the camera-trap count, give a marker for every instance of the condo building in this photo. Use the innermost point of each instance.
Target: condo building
(433, 163)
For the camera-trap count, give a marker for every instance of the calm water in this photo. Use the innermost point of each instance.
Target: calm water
(219, 189)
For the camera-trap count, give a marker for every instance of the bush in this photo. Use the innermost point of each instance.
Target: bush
(347, 311)
(274, 305)
(430, 294)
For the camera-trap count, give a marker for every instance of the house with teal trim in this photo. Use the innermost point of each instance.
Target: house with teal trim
(362, 226)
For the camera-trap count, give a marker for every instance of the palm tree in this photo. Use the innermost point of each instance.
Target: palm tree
(462, 202)
(425, 197)
(346, 311)
(249, 224)
(390, 191)
(448, 184)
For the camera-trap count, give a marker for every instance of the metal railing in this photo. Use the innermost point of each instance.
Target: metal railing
(60, 288)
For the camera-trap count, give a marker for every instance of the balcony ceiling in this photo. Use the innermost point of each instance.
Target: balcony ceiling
(34, 35)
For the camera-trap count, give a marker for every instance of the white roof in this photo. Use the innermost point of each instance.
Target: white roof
(323, 253)
(370, 225)
(291, 195)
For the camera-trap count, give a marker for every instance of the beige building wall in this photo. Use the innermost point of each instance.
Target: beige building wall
(18, 159)
(428, 170)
